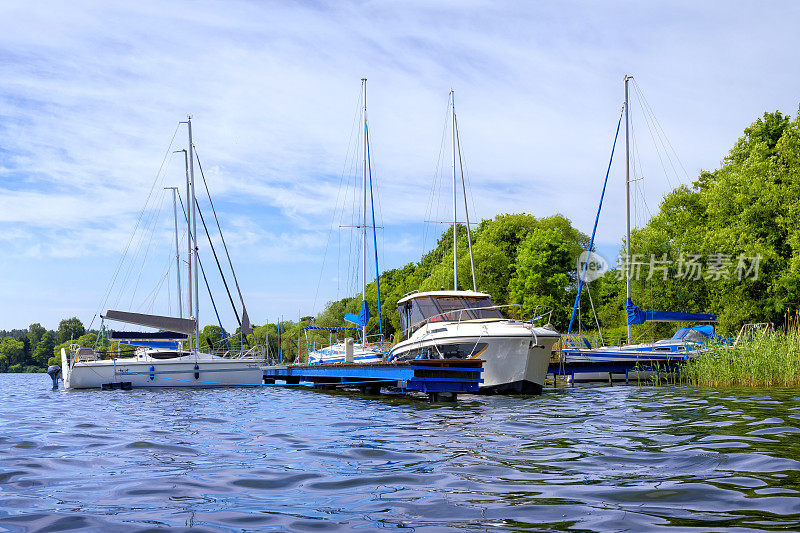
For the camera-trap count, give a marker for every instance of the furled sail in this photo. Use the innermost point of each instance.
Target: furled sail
(640, 316)
(361, 318)
(169, 323)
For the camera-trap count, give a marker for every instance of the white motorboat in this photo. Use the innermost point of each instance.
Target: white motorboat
(462, 324)
(181, 363)
(467, 325)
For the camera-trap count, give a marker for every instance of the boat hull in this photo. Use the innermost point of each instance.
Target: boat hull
(185, 372)
(514, 363)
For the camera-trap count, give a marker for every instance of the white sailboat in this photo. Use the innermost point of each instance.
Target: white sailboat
(348, 350)
(686, 343)
(463, 324)
(185, 365)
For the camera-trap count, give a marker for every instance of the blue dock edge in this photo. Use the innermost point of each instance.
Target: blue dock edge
(615, 370)
(431, 376)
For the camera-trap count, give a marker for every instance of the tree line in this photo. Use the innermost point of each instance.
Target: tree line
(748, 207)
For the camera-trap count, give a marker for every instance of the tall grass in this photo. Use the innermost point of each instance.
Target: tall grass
(759, 359)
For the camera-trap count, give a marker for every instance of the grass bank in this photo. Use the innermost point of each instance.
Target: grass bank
(758, 360)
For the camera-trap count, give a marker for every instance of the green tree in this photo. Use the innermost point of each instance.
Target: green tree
(544, 260)
(69, 328)
(44, 349)
(35, 333)
(12, 352)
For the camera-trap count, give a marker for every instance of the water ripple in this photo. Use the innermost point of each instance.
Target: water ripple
(588, 459)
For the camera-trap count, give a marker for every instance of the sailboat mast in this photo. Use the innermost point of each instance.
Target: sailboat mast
(177, 249)
(188, 236)
(627, 204)
(193, 231)
(455, 252)
(364, 216)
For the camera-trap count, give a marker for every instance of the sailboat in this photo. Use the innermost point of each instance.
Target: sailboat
(687, 342)
(348, 350)
(466, 324)
(170, 357)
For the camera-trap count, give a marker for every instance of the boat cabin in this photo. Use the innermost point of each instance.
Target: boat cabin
(444, 306)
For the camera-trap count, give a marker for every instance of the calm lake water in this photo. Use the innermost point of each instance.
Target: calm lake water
(590, 459)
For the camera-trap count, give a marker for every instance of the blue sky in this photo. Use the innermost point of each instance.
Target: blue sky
(92, 93)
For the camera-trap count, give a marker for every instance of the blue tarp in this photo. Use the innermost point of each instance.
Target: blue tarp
(167, 345)
(361, 318)
(640, 316)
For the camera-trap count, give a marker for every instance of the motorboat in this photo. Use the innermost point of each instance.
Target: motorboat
(462, 324)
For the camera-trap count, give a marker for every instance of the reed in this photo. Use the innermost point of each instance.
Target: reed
(760, 359)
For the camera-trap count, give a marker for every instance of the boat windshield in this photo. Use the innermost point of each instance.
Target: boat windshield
(444, 309)
(459, 308)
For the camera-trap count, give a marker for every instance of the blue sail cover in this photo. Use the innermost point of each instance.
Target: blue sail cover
(361, 318)
(167, 345)
(639, 316)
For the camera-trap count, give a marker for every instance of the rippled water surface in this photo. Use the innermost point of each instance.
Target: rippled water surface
(609, 458)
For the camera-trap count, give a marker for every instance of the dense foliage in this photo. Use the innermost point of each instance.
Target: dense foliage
(519, 259)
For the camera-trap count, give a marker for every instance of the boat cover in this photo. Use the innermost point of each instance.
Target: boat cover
(707, 330)
(640, 316)
(169, 345)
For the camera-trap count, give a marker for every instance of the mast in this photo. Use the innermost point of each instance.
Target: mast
(364, 217)
(177, 250)
(193, 232)
(298, 337)
(627, 204)
(188, 235)
(455, 253)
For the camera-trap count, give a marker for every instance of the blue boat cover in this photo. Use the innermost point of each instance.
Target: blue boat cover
(639, 316)
(168, 345)
(706, 329)
(361, 318)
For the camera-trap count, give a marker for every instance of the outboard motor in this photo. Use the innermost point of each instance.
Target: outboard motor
(54, 371)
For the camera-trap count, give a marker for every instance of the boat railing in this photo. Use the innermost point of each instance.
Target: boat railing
(754, 328)
(427, 321)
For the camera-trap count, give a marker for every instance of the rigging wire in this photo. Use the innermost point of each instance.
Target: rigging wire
(658, 126)
(245, 318)
(124, 254)
(333, 218)
(156, 218)
(432, 195)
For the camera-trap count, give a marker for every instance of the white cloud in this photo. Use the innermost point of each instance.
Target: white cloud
(92, 92)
